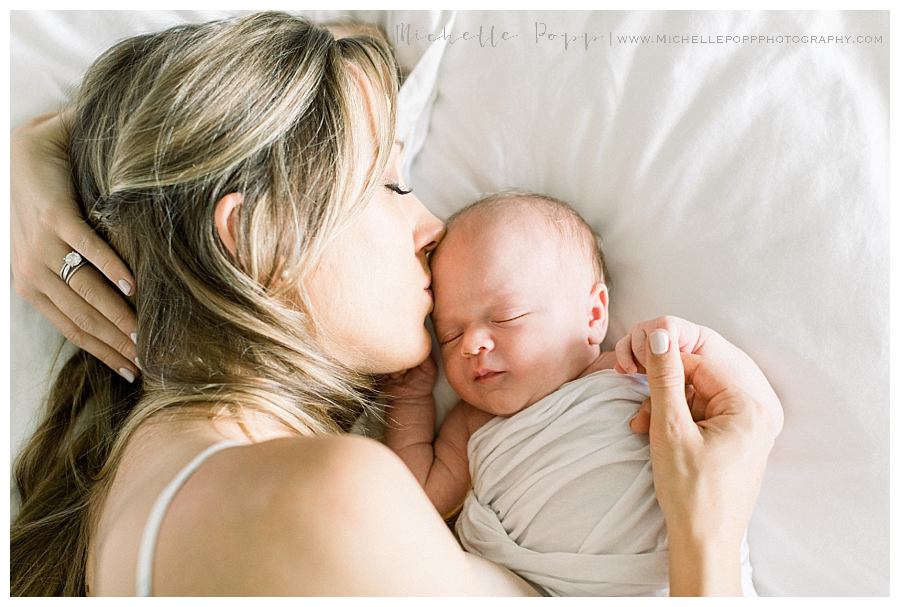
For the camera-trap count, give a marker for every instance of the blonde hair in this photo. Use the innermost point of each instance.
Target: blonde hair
(560, 215)
(268, 105)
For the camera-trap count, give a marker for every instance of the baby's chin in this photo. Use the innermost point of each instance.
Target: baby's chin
(504, 401)
(496, 403)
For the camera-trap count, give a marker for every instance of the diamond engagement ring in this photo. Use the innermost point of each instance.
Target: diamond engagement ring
(72, 262)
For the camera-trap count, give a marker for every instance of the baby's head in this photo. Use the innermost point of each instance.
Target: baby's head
(520, 299)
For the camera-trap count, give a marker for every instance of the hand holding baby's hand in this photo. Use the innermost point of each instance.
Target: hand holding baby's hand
(694, 339)
(630, 354)
(413, 384)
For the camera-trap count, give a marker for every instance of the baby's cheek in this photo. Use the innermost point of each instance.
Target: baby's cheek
(540, 359)
(454, 373)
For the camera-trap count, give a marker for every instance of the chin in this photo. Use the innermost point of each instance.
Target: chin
(407, 354)
(424, 348)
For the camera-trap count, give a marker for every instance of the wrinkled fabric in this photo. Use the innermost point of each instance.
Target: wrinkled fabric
(563, 494)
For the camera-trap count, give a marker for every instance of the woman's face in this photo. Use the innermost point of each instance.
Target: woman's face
(371, 290)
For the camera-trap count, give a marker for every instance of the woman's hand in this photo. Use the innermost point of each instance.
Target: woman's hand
(708, 451)
(46, 225)
(631, 354)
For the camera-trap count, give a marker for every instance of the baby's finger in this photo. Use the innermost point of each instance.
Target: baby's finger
(640, 423)
(623, 355)
(88, 343)
(77, 233)
(638, 337)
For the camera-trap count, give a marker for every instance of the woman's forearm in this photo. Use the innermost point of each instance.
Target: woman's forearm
(704, 567)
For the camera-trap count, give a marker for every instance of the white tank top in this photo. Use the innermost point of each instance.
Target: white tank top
(158, 512)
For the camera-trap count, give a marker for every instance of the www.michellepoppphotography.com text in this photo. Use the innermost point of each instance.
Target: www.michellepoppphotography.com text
(492, 36)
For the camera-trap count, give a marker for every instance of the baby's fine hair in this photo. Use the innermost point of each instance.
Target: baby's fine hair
(571, 225)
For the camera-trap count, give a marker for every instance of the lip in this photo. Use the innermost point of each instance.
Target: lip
(483, 376)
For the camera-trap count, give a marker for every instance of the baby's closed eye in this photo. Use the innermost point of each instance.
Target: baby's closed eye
(448, 339)
(510, 318)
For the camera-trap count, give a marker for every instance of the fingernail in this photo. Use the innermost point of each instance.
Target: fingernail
(134, 338)
(125, 286)
(659, 342)
(137, 361)
(127, 374)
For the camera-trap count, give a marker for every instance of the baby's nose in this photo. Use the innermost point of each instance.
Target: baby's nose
(475, 351)
(476, 341)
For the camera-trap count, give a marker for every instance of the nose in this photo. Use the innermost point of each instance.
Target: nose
(428, 231)
(475, 341)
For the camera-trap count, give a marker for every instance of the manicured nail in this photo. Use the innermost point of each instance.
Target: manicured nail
(125, 286)
(659, 342)
(137, 361)
(134, 338)
(127, 374)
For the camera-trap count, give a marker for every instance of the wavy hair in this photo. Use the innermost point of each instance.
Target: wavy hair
(270, 106)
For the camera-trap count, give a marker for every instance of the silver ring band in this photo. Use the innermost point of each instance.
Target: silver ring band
(72, 262)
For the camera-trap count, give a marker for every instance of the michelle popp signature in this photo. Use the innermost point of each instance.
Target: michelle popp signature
(491, 36)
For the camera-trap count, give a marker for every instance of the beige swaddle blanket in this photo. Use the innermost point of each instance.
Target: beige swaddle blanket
(563, 494)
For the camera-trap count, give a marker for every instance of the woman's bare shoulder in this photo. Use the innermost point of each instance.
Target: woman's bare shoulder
(312, 516)
(286, 476)
(329, 468)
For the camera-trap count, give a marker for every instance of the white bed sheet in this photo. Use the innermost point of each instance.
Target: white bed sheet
(741, 186)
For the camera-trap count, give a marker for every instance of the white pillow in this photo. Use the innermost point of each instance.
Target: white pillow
(743, 186)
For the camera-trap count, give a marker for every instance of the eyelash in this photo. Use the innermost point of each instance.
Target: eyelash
(509, 319)
(395, 187)
(447, 342)
(455, 337)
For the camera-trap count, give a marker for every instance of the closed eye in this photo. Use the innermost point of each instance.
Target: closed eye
(500, 322)
(448, 340)
(397, 188)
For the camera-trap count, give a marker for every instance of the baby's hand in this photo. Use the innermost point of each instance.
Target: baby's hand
(630, 355)
(413, 384)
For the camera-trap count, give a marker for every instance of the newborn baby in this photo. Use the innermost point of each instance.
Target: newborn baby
(552, 481)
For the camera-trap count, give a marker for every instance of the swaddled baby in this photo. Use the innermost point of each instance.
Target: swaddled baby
(552, 481)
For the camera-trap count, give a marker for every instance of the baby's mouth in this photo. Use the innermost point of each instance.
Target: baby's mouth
(486, 375)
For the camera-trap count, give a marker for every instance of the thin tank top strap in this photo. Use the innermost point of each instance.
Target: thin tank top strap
(154, 521)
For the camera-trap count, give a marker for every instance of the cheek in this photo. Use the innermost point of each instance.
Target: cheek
(521, 343)
(382, 267)
(387, 253)
(453, 368)
(531, 349)
(364, 293)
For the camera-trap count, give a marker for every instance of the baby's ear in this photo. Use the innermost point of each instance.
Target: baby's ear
(598, 315)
